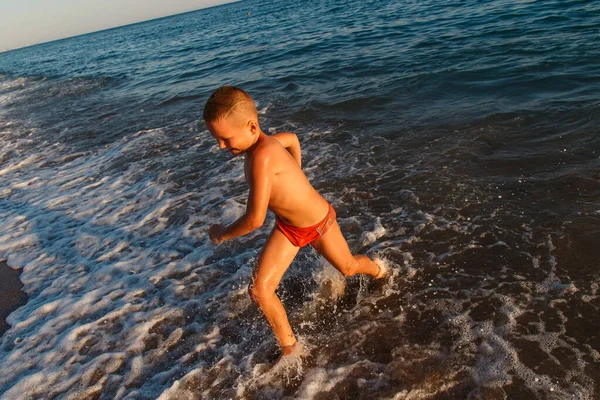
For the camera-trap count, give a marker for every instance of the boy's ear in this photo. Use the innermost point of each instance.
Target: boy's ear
(253, 126)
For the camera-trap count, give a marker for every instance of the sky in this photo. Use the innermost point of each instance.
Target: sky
(27, 22)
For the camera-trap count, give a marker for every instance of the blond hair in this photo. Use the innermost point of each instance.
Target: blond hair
(227, 100)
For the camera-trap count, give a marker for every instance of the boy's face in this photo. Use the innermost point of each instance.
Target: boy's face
(234, 134)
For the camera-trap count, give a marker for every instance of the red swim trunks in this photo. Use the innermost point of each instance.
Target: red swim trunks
(302, 236)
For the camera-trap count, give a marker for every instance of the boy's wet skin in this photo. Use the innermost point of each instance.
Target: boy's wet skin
(285, 190)
(273, 170)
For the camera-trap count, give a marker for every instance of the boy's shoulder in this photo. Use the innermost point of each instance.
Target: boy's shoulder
(263, 149)
(268, 151)
(267, 146)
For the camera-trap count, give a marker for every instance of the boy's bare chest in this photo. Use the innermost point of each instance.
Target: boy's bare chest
(273, 173)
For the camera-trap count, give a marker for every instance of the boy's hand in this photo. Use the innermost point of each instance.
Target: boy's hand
(215, 233)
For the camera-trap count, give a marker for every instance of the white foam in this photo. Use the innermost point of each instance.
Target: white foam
(12, 167)
(369, 237)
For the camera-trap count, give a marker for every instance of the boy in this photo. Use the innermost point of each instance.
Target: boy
(277, 183)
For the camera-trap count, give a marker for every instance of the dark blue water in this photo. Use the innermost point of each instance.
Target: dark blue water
(459, 141)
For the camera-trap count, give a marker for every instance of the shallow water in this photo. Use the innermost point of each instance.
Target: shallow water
(457, 141)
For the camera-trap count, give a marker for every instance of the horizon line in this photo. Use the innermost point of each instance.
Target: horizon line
(227, 2)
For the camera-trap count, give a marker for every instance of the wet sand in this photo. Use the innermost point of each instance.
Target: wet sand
(11, 295)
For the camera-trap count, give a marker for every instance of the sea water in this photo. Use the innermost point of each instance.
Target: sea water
(458, 141)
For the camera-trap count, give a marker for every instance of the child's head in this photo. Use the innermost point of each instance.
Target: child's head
(230, 116)
(228, 101)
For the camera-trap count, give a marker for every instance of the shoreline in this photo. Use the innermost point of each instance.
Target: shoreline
(11, 294)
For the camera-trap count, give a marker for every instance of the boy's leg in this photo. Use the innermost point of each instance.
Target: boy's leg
(274, 260)
(335, 249)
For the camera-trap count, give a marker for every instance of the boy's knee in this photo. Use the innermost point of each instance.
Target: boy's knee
(258, 292)
(349, 268)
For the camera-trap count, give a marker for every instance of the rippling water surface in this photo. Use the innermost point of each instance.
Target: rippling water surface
(458, 141)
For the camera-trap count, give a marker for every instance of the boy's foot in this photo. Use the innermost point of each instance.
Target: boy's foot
(288, 365)
(383, 268)
(290, 356)
(287, 350)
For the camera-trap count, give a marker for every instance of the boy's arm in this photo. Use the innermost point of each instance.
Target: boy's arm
(260, 181)
(291, 143)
